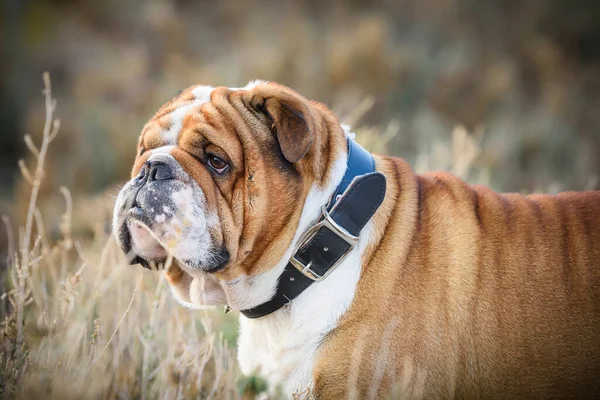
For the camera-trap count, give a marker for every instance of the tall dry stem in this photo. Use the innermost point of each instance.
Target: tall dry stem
(51, 126)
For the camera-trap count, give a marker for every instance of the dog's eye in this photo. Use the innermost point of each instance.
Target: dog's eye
(217, 164)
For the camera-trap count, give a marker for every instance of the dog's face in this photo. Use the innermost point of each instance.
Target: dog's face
(219, 180)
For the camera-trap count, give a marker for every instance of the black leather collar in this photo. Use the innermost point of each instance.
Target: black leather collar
(330, 240)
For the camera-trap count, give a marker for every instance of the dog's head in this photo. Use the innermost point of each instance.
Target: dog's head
(220, 181)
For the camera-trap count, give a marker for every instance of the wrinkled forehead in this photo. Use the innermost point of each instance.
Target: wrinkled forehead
(165, 125)
(163, 128)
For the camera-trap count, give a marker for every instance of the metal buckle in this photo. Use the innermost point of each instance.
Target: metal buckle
(330, 224)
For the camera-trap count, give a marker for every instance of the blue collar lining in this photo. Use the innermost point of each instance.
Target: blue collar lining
(360, 162)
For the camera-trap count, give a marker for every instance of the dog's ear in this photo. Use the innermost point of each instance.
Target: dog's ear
(289, 116)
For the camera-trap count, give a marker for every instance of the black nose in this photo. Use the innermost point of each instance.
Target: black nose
(156, 171)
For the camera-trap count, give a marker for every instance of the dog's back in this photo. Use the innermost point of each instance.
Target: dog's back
(472, 294)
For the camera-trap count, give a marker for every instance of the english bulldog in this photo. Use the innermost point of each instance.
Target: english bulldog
(354, 276)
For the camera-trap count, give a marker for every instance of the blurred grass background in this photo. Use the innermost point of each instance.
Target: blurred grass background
(521, 76)
(528, 72)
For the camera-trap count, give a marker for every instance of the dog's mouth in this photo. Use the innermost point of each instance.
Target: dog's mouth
(139, 242)
(143, 245)
(151, 253)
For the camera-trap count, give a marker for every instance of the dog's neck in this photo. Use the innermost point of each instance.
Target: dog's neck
(281, 346)
(250, 291)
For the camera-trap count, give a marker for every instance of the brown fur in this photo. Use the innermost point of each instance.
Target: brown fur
(465, 293)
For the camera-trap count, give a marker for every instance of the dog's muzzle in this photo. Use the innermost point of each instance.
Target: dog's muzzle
(161, 211)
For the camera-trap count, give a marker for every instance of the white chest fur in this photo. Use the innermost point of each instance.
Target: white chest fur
(282, 346)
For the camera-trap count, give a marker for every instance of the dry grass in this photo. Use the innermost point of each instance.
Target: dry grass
(78, 322)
